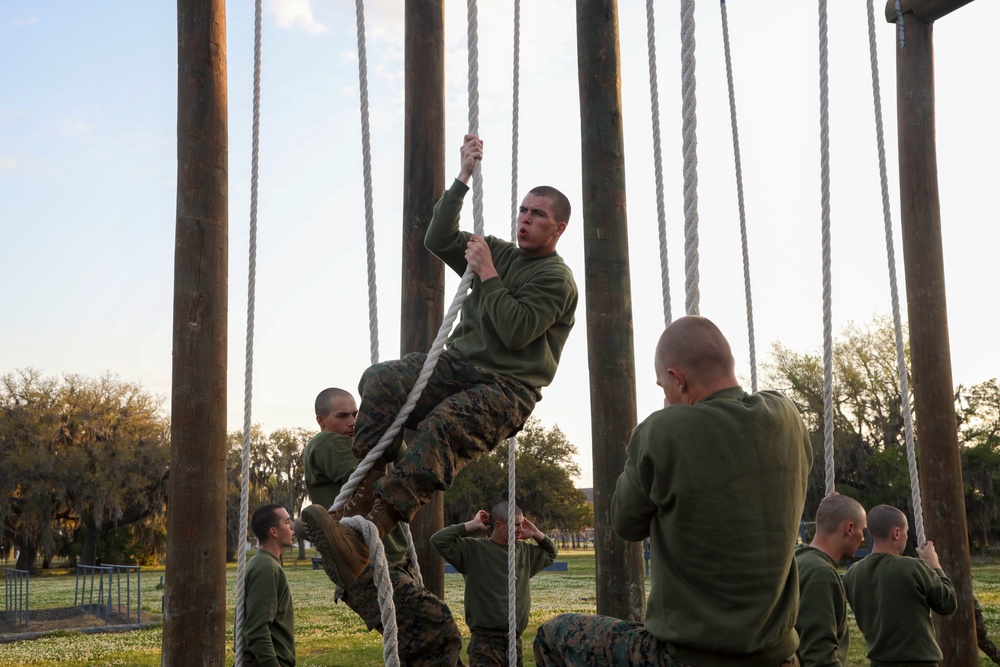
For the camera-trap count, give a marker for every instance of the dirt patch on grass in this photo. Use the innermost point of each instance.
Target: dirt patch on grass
(70, 618)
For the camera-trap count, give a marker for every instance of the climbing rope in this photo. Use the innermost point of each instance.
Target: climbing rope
(824, 136)
(904, 384)
(366, 160)
(661, 213)
(739, 197)
(512, 441)
(241, 560)
(690, 126)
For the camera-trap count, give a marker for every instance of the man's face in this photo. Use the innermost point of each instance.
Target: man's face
(340, 419)
(518, 528)
(285, 530)
(537, 229)
(857, 535)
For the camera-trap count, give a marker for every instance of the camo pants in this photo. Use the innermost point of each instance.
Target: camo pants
(489, 649)
(584, 640)
(463, 413)
(428, 635)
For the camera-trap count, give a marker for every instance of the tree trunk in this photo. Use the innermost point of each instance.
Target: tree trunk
(26, 557)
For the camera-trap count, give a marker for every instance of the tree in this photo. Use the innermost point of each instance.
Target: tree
(978, 410)
(82, 458)
(545, 468)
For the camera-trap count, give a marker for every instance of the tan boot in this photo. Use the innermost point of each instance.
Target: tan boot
(384, 517)
(363, 500)
(344, 552)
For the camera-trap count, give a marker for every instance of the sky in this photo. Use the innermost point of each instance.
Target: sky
(88, 179)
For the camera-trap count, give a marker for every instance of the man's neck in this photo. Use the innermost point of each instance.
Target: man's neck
(272, 548)
(829, 548)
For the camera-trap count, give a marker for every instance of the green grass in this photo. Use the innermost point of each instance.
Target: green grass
(329, 635)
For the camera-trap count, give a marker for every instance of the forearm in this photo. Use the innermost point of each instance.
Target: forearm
(443, 237)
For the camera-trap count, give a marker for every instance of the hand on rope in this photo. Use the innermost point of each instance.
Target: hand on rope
(480, 258)
(472, 152)
(928, 553)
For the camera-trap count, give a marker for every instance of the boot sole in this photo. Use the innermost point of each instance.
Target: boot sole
(331, 540)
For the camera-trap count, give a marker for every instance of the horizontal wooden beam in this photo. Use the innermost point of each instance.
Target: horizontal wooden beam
(925, 10)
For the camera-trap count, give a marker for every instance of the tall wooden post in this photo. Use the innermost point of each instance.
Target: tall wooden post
(423, 183)
(941, 478)
(620, 579)
(194, 628)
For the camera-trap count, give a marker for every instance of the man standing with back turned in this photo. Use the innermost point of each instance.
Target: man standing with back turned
(716, 480)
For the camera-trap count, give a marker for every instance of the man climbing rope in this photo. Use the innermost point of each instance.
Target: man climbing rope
(716, 480)
(506, 347)
(427, 634)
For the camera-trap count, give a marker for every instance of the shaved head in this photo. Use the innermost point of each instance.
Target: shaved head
(883, 519)
(324, 402)
(834, 510)
(499, 512)
(695, 344)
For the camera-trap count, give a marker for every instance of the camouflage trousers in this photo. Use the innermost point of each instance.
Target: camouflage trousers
(463, 413)
(489, 649)
(427, 635)
(583, 640)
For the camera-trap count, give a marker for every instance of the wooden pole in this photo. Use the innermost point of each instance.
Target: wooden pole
(194, 628)
(925, 10)
(620, 579)
(941, 478)
(423, 274)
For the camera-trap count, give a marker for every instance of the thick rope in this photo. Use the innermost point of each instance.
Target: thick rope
(690, 126)
(383, 583)
(515, 120)
(241, 560)
(512, 442)
(366, 159)
(904, 384)
(654, 112)
(739, 197)
(477, 170)
(824, 135)
(366, 154)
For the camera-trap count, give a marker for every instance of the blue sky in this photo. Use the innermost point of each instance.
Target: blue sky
(87, 178)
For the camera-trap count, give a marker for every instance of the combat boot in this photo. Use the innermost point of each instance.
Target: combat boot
(344, 551)
(384, 517)
(363, 500)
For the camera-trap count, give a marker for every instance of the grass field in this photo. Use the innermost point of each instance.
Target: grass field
(329, 635)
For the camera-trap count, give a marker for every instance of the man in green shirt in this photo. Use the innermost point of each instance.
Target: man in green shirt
(893, 595)
(822, 622)
(483, 564)
(716, 480)
(515, 322)
(268, 620)
(428, 635)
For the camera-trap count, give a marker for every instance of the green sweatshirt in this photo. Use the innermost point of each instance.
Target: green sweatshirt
(329, 462)
(268, 621)
(517, 323)
(718, 488)
(892, 597)
(483, 564)
(822, 622)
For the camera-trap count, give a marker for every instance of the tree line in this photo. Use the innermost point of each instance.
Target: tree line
(84, 462)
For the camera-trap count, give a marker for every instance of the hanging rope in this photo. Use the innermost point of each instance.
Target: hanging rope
(690, 126)
(241, 560)
(824, 135)
(654, 112)
(512, 442)
(904, 384)
(739, 197)
(366, 160)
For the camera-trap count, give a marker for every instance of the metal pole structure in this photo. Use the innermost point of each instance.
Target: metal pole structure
(620, 579)
(194, 627)
(423, 275)
(933, 390)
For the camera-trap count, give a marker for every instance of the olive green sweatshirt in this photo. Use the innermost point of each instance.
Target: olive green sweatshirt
(822, 622)
(268, 621)
(517, 323)
(329, 462)
(718, 488)
(483, 564)
(892, 597)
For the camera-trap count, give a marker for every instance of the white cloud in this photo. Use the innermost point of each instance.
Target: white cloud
(293, 14)
(28, 20)
(7, 163)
